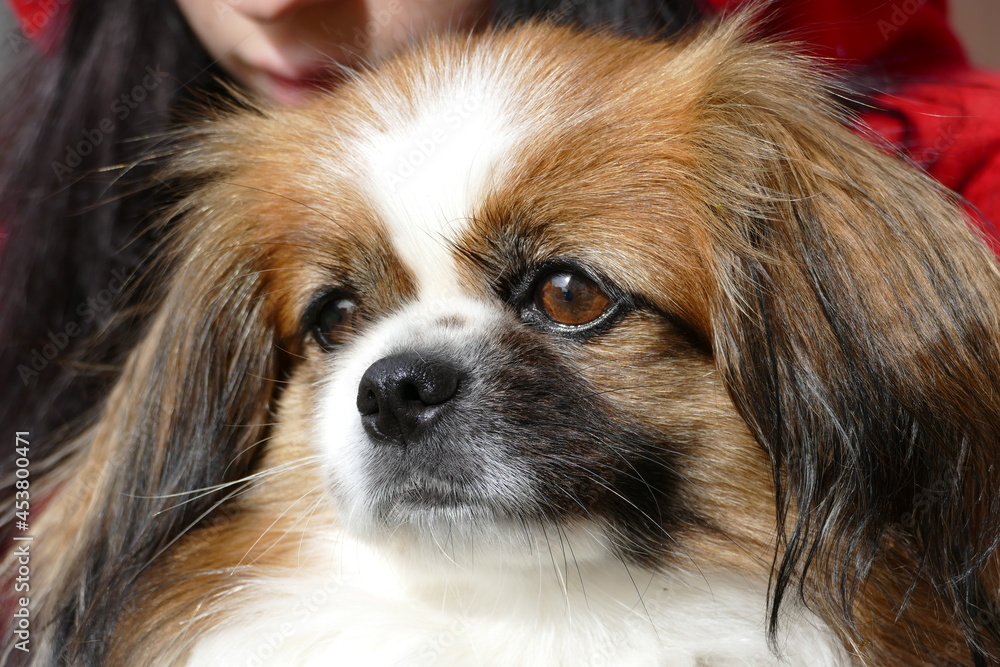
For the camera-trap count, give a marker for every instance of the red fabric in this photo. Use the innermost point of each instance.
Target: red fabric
(951, 127)
(942, 112)
(909, 34)
(42, 21)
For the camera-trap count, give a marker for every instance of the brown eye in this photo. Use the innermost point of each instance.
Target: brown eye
(335, 318)
(570, 299)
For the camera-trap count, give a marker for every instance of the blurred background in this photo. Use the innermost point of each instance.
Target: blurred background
(978, 22)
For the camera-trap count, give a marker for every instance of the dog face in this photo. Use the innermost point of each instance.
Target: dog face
(500, 306)
(495, 302)
(653, 303)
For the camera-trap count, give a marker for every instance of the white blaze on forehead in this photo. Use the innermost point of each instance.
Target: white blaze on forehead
(433, 166)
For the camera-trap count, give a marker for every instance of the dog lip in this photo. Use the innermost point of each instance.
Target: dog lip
(429, 492)
(430, 496)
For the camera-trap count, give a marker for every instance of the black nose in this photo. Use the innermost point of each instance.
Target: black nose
(401, 395)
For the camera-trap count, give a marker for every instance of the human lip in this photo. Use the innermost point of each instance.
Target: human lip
(295, 88)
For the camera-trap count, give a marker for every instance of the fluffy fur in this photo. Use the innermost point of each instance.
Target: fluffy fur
(778, 443)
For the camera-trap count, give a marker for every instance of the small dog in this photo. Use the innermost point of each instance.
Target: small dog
(541, 347)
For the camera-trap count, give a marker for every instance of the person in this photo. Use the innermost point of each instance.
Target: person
(101, 83)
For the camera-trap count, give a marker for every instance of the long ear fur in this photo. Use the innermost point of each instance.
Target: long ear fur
(857, 325)
(179, 431)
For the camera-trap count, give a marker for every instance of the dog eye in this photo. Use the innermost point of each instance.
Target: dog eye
(570, 299)
(335, 317)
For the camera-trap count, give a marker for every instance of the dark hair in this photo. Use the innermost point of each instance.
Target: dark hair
(81, 129)
(103, 97)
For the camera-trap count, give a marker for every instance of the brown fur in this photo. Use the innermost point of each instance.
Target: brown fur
(795, 278)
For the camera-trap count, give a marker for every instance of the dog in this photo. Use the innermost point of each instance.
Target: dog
(545, 347)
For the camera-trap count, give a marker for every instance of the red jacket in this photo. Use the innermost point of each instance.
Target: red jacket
(940, 110)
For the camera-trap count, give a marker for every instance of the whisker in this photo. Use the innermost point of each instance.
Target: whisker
(272, 524)
(193, 523)
(204, 491)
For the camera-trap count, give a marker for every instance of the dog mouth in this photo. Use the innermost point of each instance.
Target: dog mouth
(433, 495)
(424, 499)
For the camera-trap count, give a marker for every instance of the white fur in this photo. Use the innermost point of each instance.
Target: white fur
(368, 611)
(428, 209)
(426, 174)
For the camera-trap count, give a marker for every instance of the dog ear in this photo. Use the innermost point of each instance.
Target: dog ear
(177, 435)
(857, 326)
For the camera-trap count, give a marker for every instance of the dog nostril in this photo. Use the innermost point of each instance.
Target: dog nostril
(400, 395)
(410, 392)
(367, 401)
